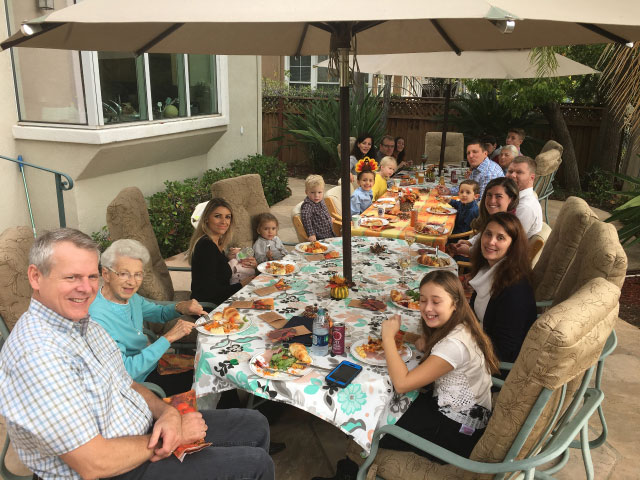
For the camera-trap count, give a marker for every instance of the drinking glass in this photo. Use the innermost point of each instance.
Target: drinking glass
(410, 238)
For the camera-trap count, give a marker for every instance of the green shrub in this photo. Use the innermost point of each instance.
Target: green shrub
(170, 210)
(102, 238)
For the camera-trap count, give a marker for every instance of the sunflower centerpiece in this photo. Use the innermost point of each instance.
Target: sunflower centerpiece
(407, 200)
(339, 287)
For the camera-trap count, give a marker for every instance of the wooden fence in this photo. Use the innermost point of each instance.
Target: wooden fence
(411, 118)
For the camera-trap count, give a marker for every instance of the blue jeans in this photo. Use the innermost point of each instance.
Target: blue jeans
(240, 450)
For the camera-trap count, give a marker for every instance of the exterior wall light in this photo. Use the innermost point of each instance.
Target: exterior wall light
(505, 26)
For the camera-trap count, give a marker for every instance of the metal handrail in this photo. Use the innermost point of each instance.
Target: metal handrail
(61, 186)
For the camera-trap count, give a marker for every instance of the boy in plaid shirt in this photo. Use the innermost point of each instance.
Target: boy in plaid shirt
(313, 213)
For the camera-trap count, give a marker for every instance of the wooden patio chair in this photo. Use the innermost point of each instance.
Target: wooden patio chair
(539, 410)
(548, 161)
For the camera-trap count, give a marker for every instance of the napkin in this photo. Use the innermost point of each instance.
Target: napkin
(171, 363)
(287, 334)
(274, 319)
(279, 286)
(185, 403)
(306, 322)
(368, 304)
(259, 304)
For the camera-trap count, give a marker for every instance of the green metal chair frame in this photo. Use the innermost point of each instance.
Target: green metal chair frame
(553, 443)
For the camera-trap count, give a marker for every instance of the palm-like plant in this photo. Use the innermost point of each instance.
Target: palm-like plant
(629, 213)
(482, 114)
(317, 126)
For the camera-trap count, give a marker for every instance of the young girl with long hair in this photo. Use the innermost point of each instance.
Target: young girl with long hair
(501, 277)
(458, 361)
(362, 148)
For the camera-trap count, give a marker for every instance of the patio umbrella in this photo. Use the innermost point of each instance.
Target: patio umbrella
(299, 27)
(505, 64)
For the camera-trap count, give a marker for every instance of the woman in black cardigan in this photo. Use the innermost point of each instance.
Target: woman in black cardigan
(210, 270)
(501, 277)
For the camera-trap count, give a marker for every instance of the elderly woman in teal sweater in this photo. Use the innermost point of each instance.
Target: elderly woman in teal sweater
(121, 312)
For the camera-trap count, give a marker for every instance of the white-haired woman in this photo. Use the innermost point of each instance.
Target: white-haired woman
(506, 156)
(121, 312)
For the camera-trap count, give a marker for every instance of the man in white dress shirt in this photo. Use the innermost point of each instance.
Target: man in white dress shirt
(522, 170)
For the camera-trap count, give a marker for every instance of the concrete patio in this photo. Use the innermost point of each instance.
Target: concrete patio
(314, 446)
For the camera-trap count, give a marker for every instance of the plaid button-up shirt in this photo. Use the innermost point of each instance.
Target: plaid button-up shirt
(62, 383)
(483, 174)
(316, 219)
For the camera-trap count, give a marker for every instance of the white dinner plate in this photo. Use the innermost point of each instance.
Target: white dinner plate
(201, 320)
(265, 357)
(387, 200)
(440, 229)
(378, 357)
(451, 264)
(263, 268)
(366, 221)
(301, 246)
(450, 211)
(395, 304)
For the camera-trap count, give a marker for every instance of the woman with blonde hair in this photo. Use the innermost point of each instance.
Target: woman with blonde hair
(210, 270)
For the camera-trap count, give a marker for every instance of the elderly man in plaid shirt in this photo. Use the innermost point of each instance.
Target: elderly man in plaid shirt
(72, 410)
(483, 170)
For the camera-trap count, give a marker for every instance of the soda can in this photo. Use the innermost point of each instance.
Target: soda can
(337, 336)
(381, 212)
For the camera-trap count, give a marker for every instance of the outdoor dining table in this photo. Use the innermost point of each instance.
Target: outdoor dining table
(427, 199)
(222, 362)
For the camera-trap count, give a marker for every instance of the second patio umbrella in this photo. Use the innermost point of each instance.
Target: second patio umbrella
(504, 64)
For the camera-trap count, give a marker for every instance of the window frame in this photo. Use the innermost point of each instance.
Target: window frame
(314, 73)
(96, 132)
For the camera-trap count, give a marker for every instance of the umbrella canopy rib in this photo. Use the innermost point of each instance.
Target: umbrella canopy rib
(302, 37)
(445, 37)
(605, 33)
(159, 38)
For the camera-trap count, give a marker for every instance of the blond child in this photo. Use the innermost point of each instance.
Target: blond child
(383, 180)
(313, 212)
(268, 246)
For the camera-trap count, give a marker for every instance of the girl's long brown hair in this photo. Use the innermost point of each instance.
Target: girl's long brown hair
(463, 314)
(516, 264)
(513, 193)
(203, 229)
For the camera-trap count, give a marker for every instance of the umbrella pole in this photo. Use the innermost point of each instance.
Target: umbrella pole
(343, 65)
(445, 126)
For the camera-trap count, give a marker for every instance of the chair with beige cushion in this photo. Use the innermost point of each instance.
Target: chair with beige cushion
(560, 249)
(247, 200)
(562, 345)
(547, 163)
(128, 217)
(453, 150)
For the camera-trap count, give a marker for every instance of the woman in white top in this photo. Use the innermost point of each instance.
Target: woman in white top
(457, 367)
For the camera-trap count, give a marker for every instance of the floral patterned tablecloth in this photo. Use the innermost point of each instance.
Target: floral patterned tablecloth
(222, 362)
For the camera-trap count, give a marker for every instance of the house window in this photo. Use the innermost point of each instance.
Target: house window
(108, 88)
(303, 73)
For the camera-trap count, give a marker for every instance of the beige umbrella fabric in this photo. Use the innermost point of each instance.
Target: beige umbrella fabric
(309, 27)
(302, 27)
(507, 64)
